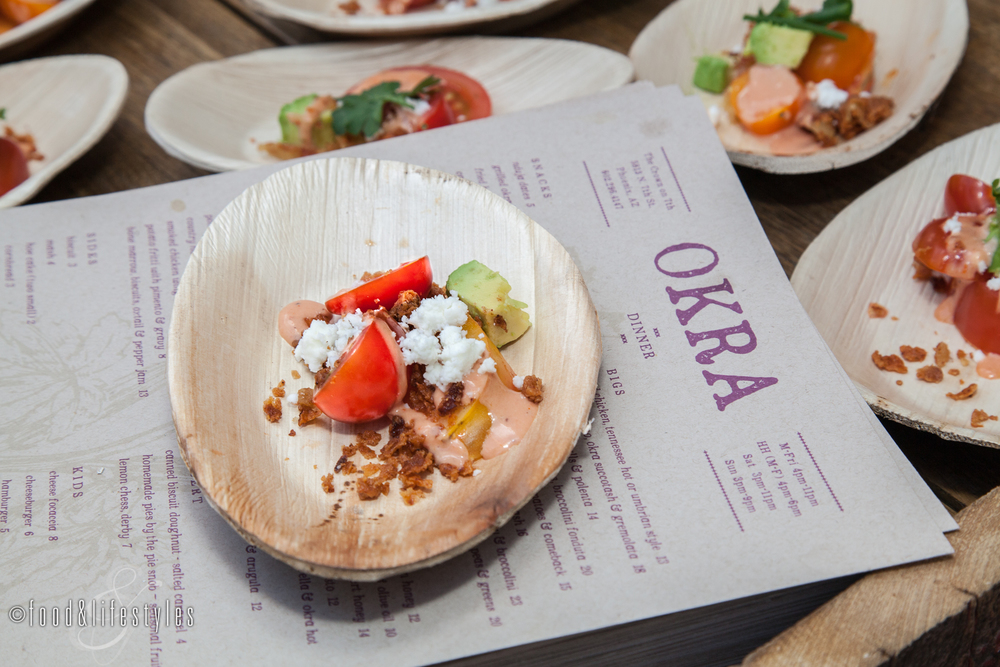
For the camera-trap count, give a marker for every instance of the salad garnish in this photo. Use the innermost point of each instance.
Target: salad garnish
(364, 112)
(994, 232)
(783, 15)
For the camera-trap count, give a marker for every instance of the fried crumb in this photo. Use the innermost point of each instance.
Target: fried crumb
(308, 412)
(876, 311)
(890, 363)
(532, 388)
(296, 375)
(350, 8)
(500, 323)
(954, 371)
(315, 466)
(272, 409)
(370, 489)
(931, 374)
(942, 354)
(436, 290)
(894, 318)
(899, 383)
(913, 354)
(327, 483)
(968, 392)
(292, 433)
(279, 391)
(980, 417)
(366, 451)
(406, 303)
(963, 358)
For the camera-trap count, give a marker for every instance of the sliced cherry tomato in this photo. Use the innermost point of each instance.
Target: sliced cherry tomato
(402, 6)
(439, 115)
(977, 315)
(20, 11)
(466, 96)
(965, 194)
(13, 166)
(848, 63)
(766, 98)
(383, 291)
(368, 380)
(956, 255)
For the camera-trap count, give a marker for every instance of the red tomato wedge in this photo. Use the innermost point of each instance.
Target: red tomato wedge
(368, 380)
(383, 291)
(13, 166)
(965, 194)
(977, 315)
(955, 255)
(465, 97)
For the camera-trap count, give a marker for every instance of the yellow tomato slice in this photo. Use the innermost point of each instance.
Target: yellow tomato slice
(766, 98)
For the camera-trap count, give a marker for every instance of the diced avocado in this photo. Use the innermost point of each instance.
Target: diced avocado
(778, 45)
(323, 137)
(289, 130)
(485, 292)
(710, 73)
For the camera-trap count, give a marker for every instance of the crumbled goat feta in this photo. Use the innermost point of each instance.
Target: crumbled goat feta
(983, 266)
(826, 95)
(420, 106)
(993, 283)
(714, 114)
(323, 343)
(488, 366)
(977, 355)
(518, 382)
(438, 341)
(952, 225)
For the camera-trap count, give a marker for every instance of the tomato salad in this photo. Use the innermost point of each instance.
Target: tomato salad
(799, 81)
(15, 12)
(399, 346)
(391, 7)
(16, 151)
(391, 103)
(958, 252)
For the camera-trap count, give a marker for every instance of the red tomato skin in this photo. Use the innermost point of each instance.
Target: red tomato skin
(977, 317)
(13, 166)
(370, 379)
(930, 248)
(846, 62)
(965, 194)
(466, 97)
(439, 115)
(383, 291)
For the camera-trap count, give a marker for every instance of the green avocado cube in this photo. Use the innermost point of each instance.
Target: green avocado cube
(778, 45)
(711, 73)
(289, 130)
(485, 292)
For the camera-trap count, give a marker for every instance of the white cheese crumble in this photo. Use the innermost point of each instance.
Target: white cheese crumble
(826, 95)
(477, 472)
(977, 356)
(323, 343)
(518, 382)
(983, 266)
(952, 225)
(420, 106)
(586, 429)
(993, 283)
(438, 341)
(488, 366)
(714, 114)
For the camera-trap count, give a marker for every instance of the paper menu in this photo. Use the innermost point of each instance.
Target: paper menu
(694, 486)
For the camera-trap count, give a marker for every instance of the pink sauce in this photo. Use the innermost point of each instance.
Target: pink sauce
(294, 319)
(989, 368)
(510, 412)
(792, 140)
(768, 88)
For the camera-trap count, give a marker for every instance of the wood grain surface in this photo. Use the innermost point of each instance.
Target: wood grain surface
(157, 38)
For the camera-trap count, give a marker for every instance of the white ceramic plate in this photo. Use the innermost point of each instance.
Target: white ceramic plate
(918, 48)
(327, 15)
(27, 35)
(865, 256)
(306, 232)
(67, 103)
(214, 115)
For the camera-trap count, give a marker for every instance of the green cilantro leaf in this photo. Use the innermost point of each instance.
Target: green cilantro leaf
(362, 114)
(833, 10)
(994, 232)
(3, 113)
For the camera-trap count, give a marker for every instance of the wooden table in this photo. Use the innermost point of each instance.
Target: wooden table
(157, 38)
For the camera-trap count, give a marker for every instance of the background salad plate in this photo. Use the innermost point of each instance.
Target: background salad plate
(31, 33)
(864, 256)
(306, 232)
(917, 49)
(328, 16)
(214, 115)
(67, 103)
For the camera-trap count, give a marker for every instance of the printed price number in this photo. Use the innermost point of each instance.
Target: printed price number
(515, 601)
(586, 570)
(638, 569)
(390, 632)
